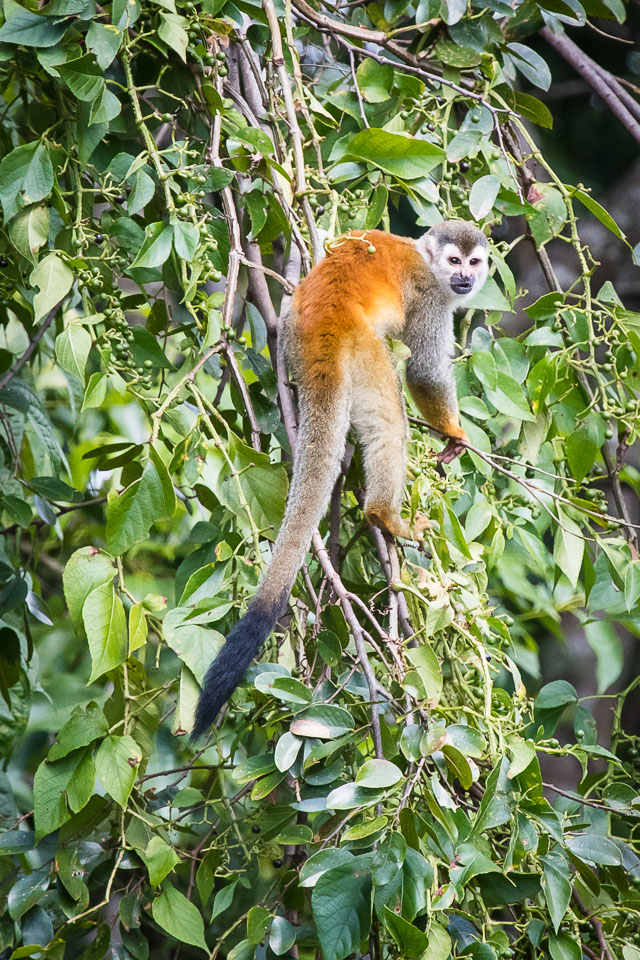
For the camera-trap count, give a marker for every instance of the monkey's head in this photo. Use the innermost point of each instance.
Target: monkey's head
(457, 253)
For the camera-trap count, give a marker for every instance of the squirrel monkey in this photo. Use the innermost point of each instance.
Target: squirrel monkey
(372, 284)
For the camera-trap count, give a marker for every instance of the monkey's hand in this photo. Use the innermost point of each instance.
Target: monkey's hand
(453, 449)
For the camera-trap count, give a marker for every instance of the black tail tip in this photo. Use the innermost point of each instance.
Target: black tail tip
(229, 667)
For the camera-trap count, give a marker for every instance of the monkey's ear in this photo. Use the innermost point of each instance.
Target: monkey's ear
(427, 247)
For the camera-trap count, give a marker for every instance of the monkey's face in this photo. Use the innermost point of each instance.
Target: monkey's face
(458, 256)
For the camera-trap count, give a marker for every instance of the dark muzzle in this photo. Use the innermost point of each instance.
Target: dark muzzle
(461, 284)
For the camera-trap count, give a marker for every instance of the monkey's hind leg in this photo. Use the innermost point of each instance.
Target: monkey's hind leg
(378, 416)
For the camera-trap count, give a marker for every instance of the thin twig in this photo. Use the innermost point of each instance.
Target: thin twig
(596, 924)
(19, 364)
(246, 399)
(357, 87)
(294, 128)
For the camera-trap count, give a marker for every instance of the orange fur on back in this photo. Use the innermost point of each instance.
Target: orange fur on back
(351, 294)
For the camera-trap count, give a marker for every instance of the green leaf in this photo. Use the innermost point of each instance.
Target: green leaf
(508, 398)
(453, 11)
(556, 694)
(568, 547)
(282, 936)
(289, 690)
(54, 279)
(593, 206)
(341, 905)
(179, 917)
(95, 391)
(138, 627)
(19, 511)
(523, 753)
(295, 835)
(26, 176)
(632, 584)
(103, 40)
(531, 64)
(263, 484)
(458, 765)
(83, 76)
(323, 721)
(439, 943)
(426, 663)
(483, 195)
(258, 920)
(72, 349)
(378, 774)
(85, 569)
(595, 849)
(80, 730)
(29, 230)
(160, 859)
(117, 762)
(142, 192)
(131, 515)
(286, 752)
(556, 887)
(172, 31)
(185, 239)
(51, 785)
(318, 863)
(457, 56)
(156, 247)
(31, 29)
(106, 629)
(348, 796)
(374, 80)
(564, 947)
(105, 107)
(467, 740)
(582, 446)
(195, 645)
(411, 940)
(533, 109)
(28, 891)
(402, 156)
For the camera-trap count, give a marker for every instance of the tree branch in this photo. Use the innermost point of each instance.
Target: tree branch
(600, 80)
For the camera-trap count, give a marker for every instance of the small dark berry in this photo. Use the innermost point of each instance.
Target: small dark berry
(431, 127)
(255, 828)
(464, 165)
(277, 862)
(3, 262)
(120, 199)
(319, 209)
(99, 238)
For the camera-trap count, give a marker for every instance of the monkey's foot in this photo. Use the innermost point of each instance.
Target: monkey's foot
(419, 525)
(397, 526)
(453, 449)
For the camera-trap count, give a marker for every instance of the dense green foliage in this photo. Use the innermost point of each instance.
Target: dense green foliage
(361, 793)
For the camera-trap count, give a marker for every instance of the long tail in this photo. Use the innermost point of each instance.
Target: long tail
(324, 421)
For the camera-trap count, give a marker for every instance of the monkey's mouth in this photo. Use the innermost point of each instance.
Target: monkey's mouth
(461, 284)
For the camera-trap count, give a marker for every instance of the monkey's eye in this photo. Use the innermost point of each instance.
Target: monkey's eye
(454, 260)
(474, 261)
